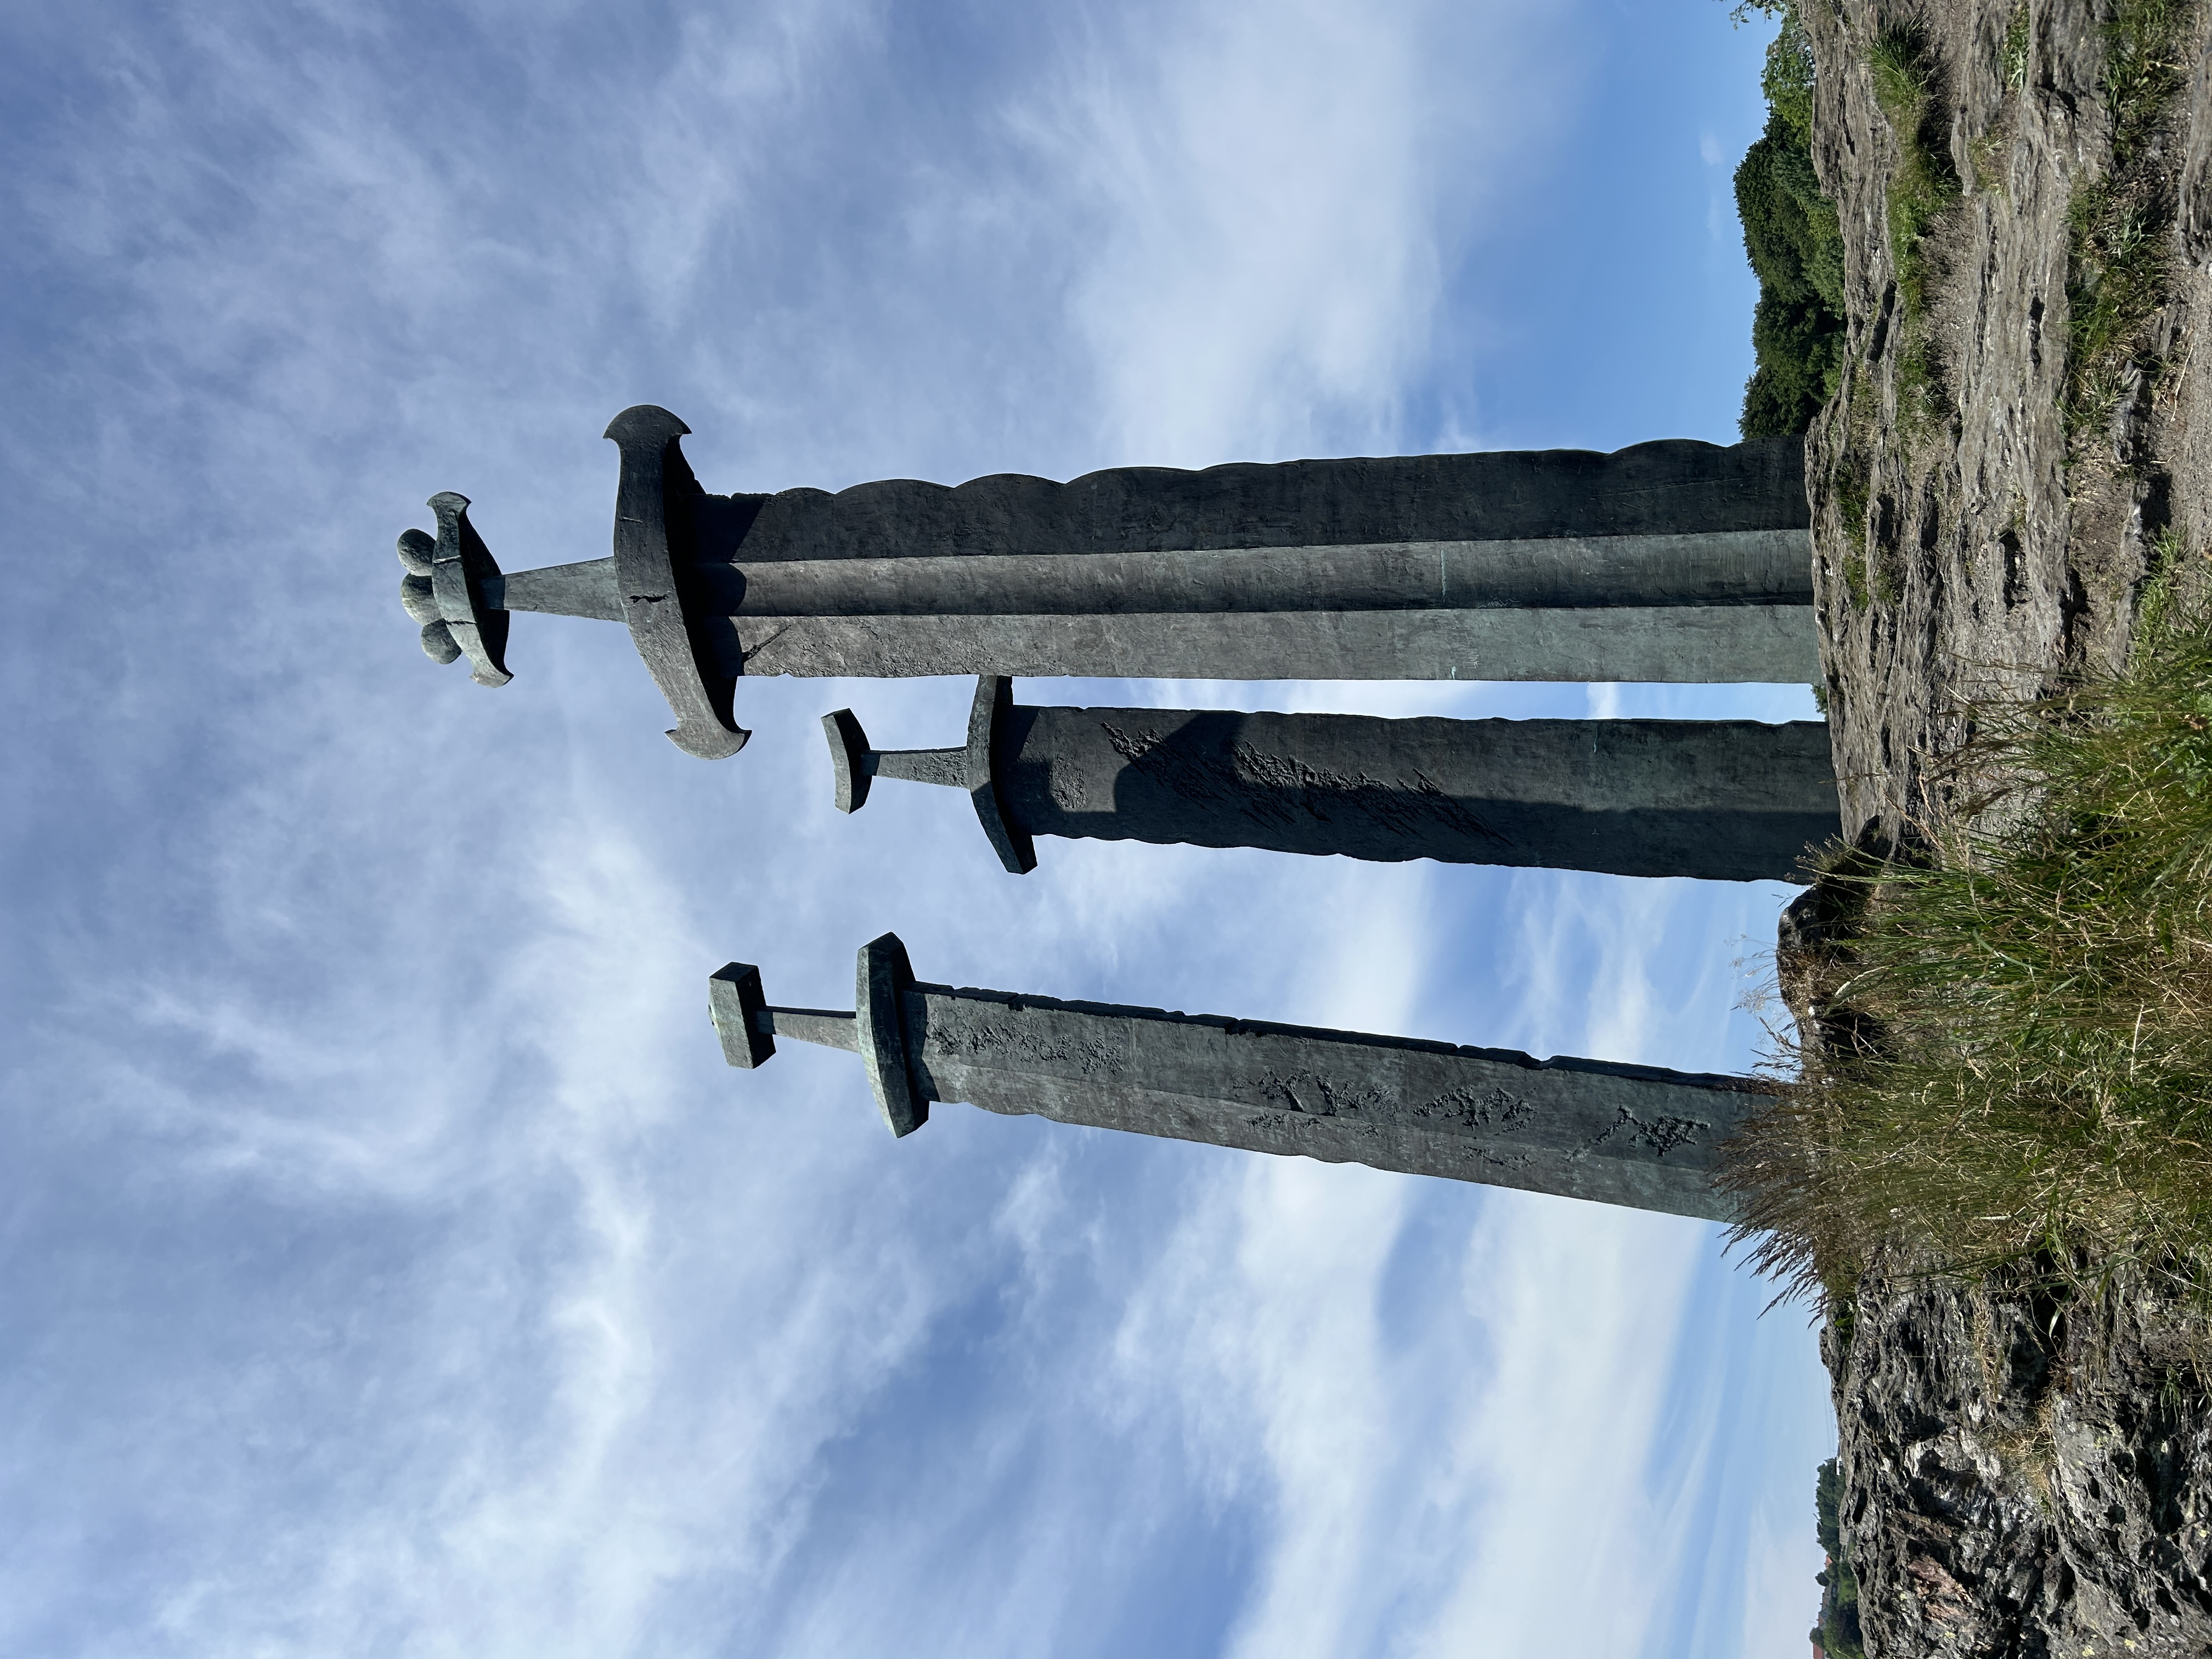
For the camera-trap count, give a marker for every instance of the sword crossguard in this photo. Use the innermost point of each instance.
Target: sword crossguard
(655, 546)
(443, 591)
(883, 977)
(454, 588)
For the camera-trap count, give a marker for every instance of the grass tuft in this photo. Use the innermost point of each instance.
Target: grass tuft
(1923, 184)
(2012, 55)
(1902, 77)
(2120, 261)
(1923, 400)
(1851, 506)
(2144, 66)
(2005, 1053)
(2118, 271)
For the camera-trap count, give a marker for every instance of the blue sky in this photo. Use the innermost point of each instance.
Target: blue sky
(390, 1265)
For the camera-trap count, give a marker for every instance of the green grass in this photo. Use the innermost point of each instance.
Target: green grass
(1924, 185)
(1902, 81)
(1921, 400)
(2016, 54)
(2119, 262)
(2154, 600)
(1855, 580)
(2013, 56)
(2016, 1063)
(1852, 504)
(2118, 270)
(2144, 65)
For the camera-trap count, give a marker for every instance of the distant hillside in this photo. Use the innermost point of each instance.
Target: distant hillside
(1796, 250)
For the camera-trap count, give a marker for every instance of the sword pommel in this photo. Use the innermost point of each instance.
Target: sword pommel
(418, 595)
(852, 765)
(736, 1005)
(447, 588)
(646, 424)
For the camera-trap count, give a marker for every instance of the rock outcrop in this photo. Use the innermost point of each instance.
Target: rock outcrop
(2023, 1474)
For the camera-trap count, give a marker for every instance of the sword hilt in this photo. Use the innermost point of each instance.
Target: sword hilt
(655, 547)
(976, 767)
(875, 1029)
(455, 590)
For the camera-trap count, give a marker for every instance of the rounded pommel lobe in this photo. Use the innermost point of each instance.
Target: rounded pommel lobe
(654, 556)
(879, 996)
(849, 758)
(452, 587)
(418, 597)
(739, 1011)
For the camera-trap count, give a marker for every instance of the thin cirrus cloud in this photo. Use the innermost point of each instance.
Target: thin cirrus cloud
(398, 1268)
(1266, 246)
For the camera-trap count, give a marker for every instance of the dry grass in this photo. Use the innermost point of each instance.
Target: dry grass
(2013, 1053)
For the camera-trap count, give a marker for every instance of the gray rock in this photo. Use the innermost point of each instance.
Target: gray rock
(2022, 1476)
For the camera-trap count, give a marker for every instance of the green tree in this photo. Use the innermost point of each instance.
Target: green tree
(1839, 1629)
(1796, 246)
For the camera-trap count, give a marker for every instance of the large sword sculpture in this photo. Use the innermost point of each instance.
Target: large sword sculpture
(1722, 800)
(1674, 561)
(1633, 1135)
(1670, 561)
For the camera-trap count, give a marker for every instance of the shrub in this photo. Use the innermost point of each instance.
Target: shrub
(1838, 1632)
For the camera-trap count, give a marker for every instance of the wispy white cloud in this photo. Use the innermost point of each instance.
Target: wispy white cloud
(1465, 1493)
(1571, 1558)
(1267, 189)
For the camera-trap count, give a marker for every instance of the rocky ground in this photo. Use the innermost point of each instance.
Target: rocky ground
(2021, 1476)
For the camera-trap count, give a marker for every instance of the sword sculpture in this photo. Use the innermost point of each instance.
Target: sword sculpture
(1723, 801)
(1671, 561)
(1634, 1135)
